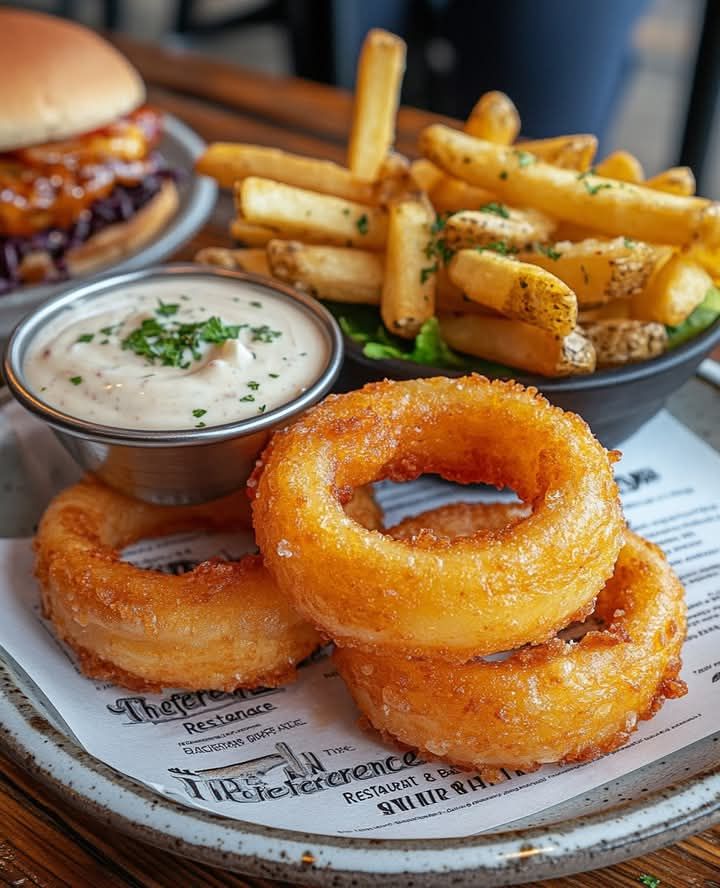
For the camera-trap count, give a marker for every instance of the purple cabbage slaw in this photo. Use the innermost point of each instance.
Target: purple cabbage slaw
(123, 202)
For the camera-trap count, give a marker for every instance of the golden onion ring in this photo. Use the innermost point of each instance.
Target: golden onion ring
(557, 702)
(437, 597)
(221, 626)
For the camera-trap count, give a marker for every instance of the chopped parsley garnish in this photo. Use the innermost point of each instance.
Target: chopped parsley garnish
(85, 337)
(503, 174)
(253, 385)
(593, 189)
(76, 380)
(200, 425)
(630, 244)
(548, 251)
(176, 344)
(262, 408)
(362, 224)
(436, 248)
(274, 375)
(256, 304)
(648, 881)
(247, 398)
(264, 334)
(166, 309)
(497, 208)
(346, 211)
(108, 331)
(524, 158)
(104, 341)
(198, 412)
(591, 171)
(502, 247)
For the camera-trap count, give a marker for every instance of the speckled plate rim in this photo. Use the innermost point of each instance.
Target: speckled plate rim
(508, 858)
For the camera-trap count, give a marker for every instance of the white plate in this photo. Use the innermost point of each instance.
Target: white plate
(644, 810)
(179, 146)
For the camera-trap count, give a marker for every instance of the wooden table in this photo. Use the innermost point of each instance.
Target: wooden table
(45, 842)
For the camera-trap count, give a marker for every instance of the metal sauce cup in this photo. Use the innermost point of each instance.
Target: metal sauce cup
(173, 467)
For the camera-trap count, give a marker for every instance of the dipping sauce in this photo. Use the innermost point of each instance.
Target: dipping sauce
(176, 354)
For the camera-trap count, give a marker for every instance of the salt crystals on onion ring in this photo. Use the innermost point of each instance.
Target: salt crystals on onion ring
(221, 626)
(557, 702)
(436, 597)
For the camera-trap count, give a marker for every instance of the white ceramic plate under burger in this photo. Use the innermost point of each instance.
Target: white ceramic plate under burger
(179, 146)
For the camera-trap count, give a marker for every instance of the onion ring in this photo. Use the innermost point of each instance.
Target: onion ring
(434, 597)
(220, 626)
(557, 702)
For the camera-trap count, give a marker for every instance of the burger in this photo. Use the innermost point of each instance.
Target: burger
(81, 181)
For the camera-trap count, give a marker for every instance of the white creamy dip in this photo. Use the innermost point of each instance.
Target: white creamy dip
(176, 354)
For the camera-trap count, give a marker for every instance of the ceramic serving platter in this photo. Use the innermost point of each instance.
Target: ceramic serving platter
(179, 146)
(644, 810)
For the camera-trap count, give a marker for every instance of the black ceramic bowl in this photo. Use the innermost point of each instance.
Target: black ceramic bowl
(615, 403)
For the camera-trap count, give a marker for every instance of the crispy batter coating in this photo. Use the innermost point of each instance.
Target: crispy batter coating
(222, 625)
(457, 598)
(557, 702)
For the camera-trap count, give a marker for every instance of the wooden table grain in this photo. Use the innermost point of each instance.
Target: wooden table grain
(43, 840)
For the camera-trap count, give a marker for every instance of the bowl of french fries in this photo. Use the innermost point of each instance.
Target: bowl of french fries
(514, 258)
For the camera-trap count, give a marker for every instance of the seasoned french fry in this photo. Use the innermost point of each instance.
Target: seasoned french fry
(622, 341)
(616, 309)
(394, 165)
(569, 152)
(408, 296)
(338, 273)
(297, 212)
(604, 204)
(600, 271)
(228, 163)
(676, 180)
(450, 195)
(621, 165)
(250, 234)
(496, 222)
(494, 118)
(708, 258)
(515, 289)
(425, 174)
(672, 293)
(518, 345)
(377, 95)
(253, 260)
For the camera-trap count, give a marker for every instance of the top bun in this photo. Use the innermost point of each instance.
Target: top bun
(59, 80)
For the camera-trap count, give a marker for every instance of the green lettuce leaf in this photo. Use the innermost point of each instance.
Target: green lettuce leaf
(362, 324)
(700, 319)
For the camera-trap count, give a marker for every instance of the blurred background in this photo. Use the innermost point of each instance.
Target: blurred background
(642, 74)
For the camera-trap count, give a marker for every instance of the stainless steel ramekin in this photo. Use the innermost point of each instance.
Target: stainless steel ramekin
(173, 467)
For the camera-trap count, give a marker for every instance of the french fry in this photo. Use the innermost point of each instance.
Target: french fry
(425, 174)
(617, 309)
(518, 344)
(450, 298)
(250, 234)
(569, 152)
(515, 289)
(377, 95)
(603, 204)
(676, 180)
(305, 214)
(450, 195)
(408, 296)
(622, 341)
(253, 260)
(600, 271)
(494, 118)
(672, 293)
(621, 165)
(228, 163)
(337, 273)
(494, 223)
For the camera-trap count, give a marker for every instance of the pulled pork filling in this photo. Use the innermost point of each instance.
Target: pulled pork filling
(56, 196)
